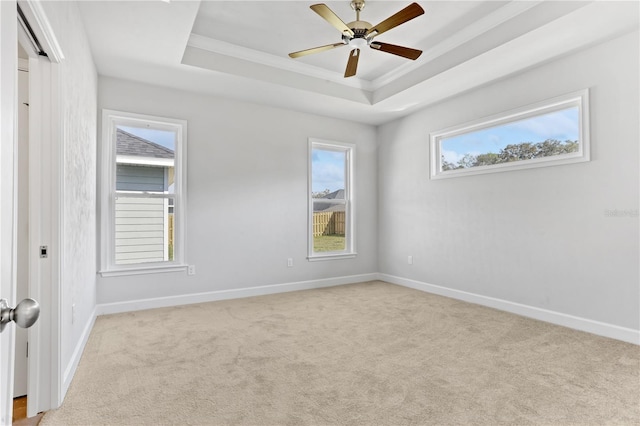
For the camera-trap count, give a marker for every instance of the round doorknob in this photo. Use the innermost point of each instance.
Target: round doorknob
(25, 314)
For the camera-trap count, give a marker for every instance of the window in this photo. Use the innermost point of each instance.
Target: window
(330, 200)
(548, 133)
(142, 193)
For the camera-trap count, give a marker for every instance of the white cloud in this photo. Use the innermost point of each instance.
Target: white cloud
(451, 156)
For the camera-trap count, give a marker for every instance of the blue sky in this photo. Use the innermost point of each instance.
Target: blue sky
(161, 137)
(327, 170)
(560, 125)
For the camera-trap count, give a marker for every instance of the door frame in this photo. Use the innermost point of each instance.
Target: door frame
(45, 381)
(46, 176)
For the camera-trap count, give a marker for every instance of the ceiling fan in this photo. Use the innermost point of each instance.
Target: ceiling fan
(361, 33)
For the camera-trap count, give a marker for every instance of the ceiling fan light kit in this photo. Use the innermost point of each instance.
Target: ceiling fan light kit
(359, 34)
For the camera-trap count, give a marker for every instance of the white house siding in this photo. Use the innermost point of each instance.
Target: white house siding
(141, 223)
(140, 230)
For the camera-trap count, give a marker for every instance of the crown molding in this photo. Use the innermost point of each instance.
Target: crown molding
(287, 64)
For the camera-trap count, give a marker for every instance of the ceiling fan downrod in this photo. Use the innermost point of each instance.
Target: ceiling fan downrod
(357, 5)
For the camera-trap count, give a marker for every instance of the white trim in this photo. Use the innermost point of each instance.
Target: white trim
(320, 257)
(212, 296)
(40, 25)
(143, 270)
(70, 371)
(579, 99)
(8, 207)
(570, 321)
(108, 160)
(144, 161)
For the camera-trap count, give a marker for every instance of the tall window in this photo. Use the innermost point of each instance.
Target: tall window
(142, 193)
(330, 200)
(552, 132)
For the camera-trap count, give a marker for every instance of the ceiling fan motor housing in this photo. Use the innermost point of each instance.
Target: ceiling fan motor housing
(359, 29)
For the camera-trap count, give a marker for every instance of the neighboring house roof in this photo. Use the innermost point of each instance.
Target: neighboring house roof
(339, 194)
(327, 207)
(135, 146)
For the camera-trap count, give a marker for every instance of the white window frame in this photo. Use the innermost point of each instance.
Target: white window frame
(578, 99)
(350, 246)
(111, 119)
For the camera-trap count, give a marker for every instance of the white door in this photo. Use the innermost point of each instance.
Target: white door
(22, 223)
(8, 101)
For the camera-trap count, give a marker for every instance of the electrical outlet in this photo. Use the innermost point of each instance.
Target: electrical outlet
(191, 269)
(290, 262)
(410, 260)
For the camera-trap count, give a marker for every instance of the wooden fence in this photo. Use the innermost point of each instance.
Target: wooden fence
(171, 235)
(328, 223)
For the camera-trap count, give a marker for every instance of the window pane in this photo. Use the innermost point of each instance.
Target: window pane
(144, 230)
(139, 178)
(145, 160)
(144, 227)
(328, 174)
(545, 135)
(329, 206)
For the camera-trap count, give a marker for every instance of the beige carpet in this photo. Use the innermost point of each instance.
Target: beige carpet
(362, 354)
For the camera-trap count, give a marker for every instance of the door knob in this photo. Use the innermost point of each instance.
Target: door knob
(25, 314)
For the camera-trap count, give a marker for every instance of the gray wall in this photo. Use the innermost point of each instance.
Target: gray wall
(537, 237)
(247, 193)
(78, 92)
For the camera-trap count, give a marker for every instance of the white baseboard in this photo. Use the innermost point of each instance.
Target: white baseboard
(70, 371)
(577, 323)
(558, 318)
(212, 296)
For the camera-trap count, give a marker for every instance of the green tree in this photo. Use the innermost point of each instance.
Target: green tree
(514, 152)
(487, 159)
(446, 165)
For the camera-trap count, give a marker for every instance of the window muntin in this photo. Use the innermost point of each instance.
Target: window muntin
(330, 200)
(143, 193)
(549, 133)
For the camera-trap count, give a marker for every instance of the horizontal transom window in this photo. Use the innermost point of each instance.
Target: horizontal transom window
(552, 132)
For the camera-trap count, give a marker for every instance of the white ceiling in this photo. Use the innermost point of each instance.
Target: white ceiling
(239, 49)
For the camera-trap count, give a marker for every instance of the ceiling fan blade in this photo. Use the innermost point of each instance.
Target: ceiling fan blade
(352, 64)
(408, 13)
(329, 16)
(315, 50)
(405, 52)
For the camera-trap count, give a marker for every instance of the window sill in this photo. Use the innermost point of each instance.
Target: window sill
(317, 257)
(143, 270)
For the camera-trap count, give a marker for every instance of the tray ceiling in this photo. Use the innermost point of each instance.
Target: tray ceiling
(239, 49)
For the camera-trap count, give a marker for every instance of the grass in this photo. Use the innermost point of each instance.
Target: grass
(324, 243)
